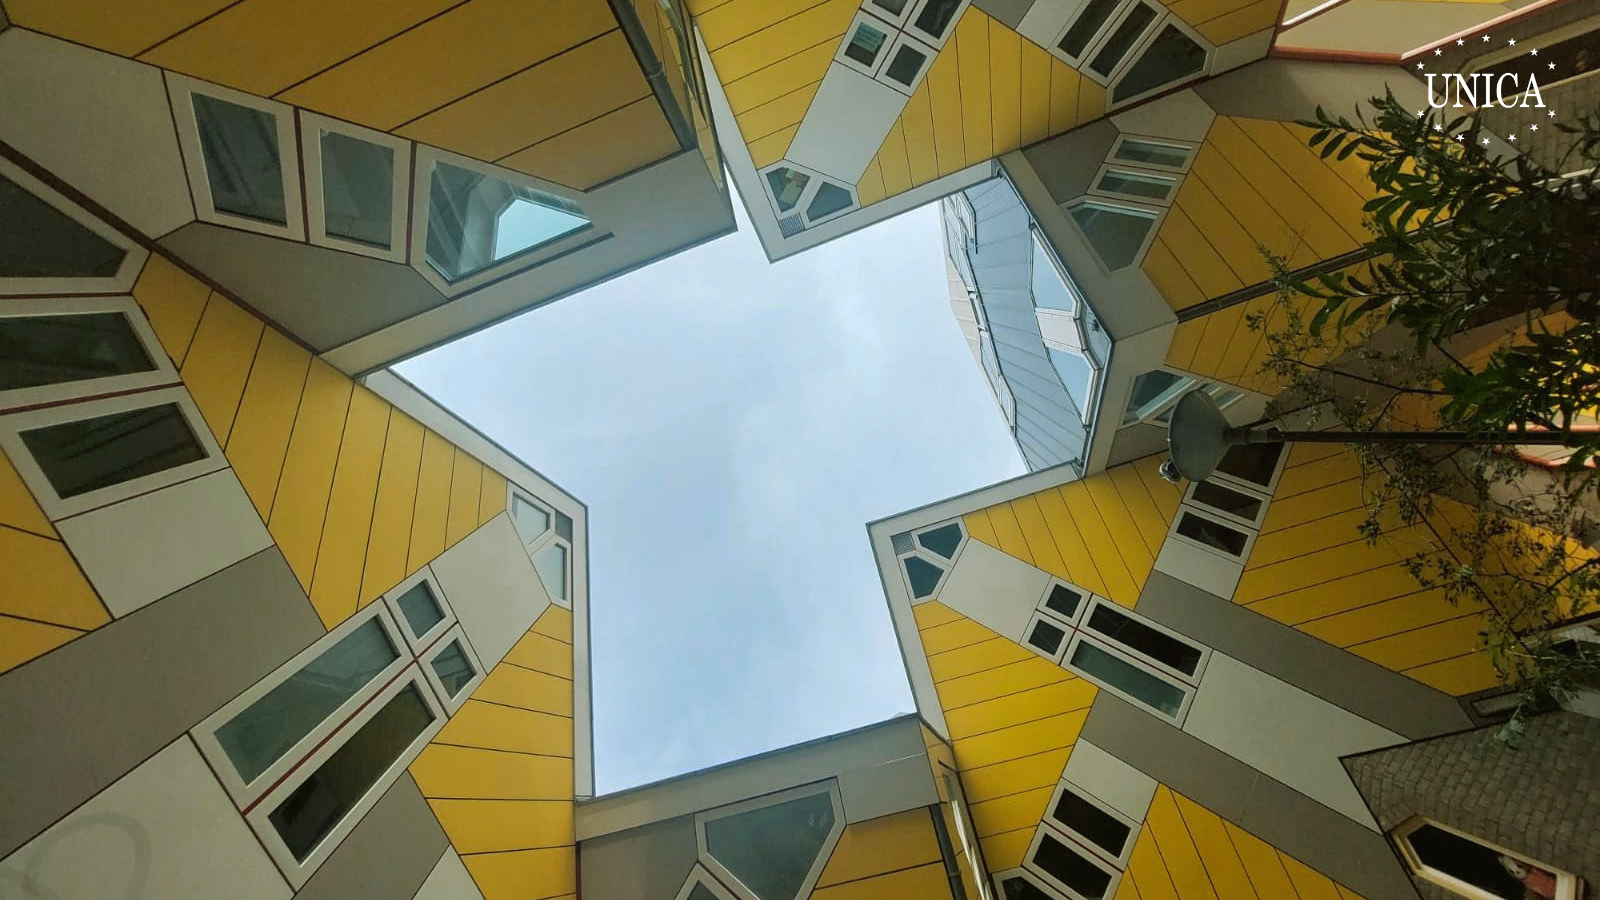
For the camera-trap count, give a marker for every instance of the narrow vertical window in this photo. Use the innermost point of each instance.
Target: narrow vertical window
(244, 165)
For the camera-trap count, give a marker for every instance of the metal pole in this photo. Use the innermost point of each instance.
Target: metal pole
(1274, 435)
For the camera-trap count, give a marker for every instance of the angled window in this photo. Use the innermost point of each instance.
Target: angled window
(1117, 232)
(563, 525)
(1242, 506)
(787, 186)
(240, 154)
(1063, 865)
(1132, 681)
(805, 196)
(453, 669)
(922, 575)
(1171, 57)
(1046, 636)
(830, 200)
(773, 847)
(357, 187)
(71, 348)
(547, 536)
(1153, 153)
(1076, 375)
(1135, 184)
(1122, 39)
(893, 11)
(420, 608)
(944, 540)
(865, 43)
(1094, 825)
(1020, 885)
(531, 519)
(1149, 642)
(1154, 391)
(933, 20)
(1254, 465)
(477, 221)
(908, 60)
(1064, 601)
(1477, 869)
(700, 885)
(1212, 533)
(51, 246)
(551, 564)
(1081, 31)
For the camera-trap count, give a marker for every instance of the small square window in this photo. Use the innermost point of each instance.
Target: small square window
(1237, 504)
(1046, 637)
(1254, 464)
(531, 520)
(453, 669)
(244, 165)
(420, 608)
(551, 564)
(865, 44)
(1211, 533)
(1063, 601)
(563, 525)
(906, 65)
(935, 18)
(358, 188)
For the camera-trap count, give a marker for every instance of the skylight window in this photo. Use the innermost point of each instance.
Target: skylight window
(477, 220)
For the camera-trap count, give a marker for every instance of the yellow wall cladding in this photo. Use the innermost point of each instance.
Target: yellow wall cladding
(499, 775)
(892, 856)
(356, 494)
(1311, 569)
(1221, 21)
(1187, 852)
(1013, 718)
(1101, 533)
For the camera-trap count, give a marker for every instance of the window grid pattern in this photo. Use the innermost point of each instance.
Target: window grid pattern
(547, 535)
(925, 557)
(1223, 514)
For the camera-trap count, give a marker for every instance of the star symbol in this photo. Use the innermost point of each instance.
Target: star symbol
(1513, 137)
(1419, 65)
(1460, 136)
(1512, 42)
(1421, 113)
(1552, 114)
(1486, 142)
(1437, 52)
(1438, 127)
(1535, 51)
(1534, 126)
(1486, 39)
(1552, 65)
(1461, 42)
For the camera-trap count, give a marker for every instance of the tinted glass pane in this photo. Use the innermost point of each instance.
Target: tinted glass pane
(866, 42)
(1153, 153)
(41, 241)
(78, 457)
(701, 892)
(1251, 462)
(357, 189)
(907, 62)
(453, 668)
(563, 525)
(1115, 233)
(1123, 39)
(551, 564)
(1212, 534)
(1063, 600)
(1136, 184)
(1127, 678)
(787, 186)
(935, 17)
(772, 849)
(1228, 500)
(1046, 637)
(892, 7)
(830, 199)
(266, 729)
(1050, 290)
(1070, 868)
(531, 521)
(1016, 888)
(476, 220)
(1173, 55)
(38, 350)
(1469, 861)
(240, 144)
(420, 608)
(1093, 17)
(1149, 389)
(1076, 375)
(1144, 640)
(923, 575)
(1100, 827)
(312, 810)
(942, 540)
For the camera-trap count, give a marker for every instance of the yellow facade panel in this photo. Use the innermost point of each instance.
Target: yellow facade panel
(893, 163)
(768, 150)
(219, 361)
(18, 509)
(1261, 862)
(1127, 889)
(493, 826)
(1177, 849)
(1015, 776)
(1221, 327)
(778, 114)
(172, 300)
(527, 689)
(927, 881)
(1198, 12)
(990, 654)
(1022, 740)
(1135, 499)
(266, 417)
(1386, 617)
(1147, 871)
(1091, 101)
(1247, 20)
(601, 149)
(785, 76)
(1239, 251)
(1025, 706)
(1444, 640)
(581, 84)
(1120, 525)
(869, 189)
(903, 840)
(125, 30)
(1005, 851)
(542, 654)
(1008, 532)
(555, 623)
(264, 46)
(1210, 837)
(979, 528)
(820, 23)
(473, 45)
(302, 501)
(1011, 812)
(933, 614)
(391, 510)
(524, 874)
(970, 42)
(1185, 343)
(23, 639)
(1314, 175)
(495, 727)
(1081, 568)
(1169, 277)
(1316, 474)
(433, 501)
(1461, 675)
(729, 22)
(944, 101)
(462, 517)
(1248, 207)
(1065, 83)
(1036, 531)
(1335, 561)
(1033, 112)
(1337, 595)
(1167, 496)
(961, 692)
(1006, 88)
(44, 583)
(1242, 357)
(470, 773)
(1315, 505)
(491, 495)
(922, 153)
(336, 584)
(1194, 253)
(1304, 216)
(960, 632)
(1286, 543)
(1121, 584)
(1308, 883)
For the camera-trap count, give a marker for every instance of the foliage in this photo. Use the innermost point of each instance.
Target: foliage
(1474, 308)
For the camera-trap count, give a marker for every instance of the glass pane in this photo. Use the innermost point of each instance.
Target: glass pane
(477, 220)
(1213, 534)
(701, 892)
(1136, 184)
(787, 186)
(1063, 600)
(313, 809)
(1019, 888)
(1152, 153)
(1128, 678)
(1151, 390)
(1070, 868)
(1076, 376)
(1101, 828)
(266, 729)
(39, 350)
(893, 7)
(935, 18)
(453, 668)
(1474, 863)
(531, 521)
(830, 199)
(924, 576)
(41, 241)
(1172, 56)
(1117, 233)
(420, 608)
(1123, 39)
(1144, 640)
(771, 849)
(1046, 637)
(551, 564)
(866, 42)
(563, 525)
(1050, 289)
(240, 144)
(1093, 17)
(1254, 463)
(89, 454)
(1227, 500)
(907, 63)
(357, 189)
(942, 540)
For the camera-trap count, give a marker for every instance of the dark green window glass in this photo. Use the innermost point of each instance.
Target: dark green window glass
(420, 608)
(1123, 39)
(89, 454)
(40, 350)
(1018, 888)
(1172, 56)
(942, 540)
(1254, 463)
(1069, 867)
(1063, 600)
(1087, 819)
(935, 18)
(1213, 534)
(1094, 15)
(1127, 678)
(771, 850)
(243, 168)
(1116, 233)
(1228, 500)
(830, 199)
(1144, 640)
(906, 65)
(866, 42)
(1046, 637)
(40, 241)
(357, 190)
(924, 576)
(453, 668)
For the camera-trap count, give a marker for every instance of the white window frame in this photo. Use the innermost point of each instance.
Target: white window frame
(1155, 664)
(425, 658)
(830, 787)
(1567, 884)
(700, 876)
(1092, 47)
(1076, 618)
(1038, 872)
(865, 17)
(1205, 512)
(512, 493)
(1167, 399)
(1271, 486)
(1155, 212)
(133, 260)
(1173, 179)
(1103, 37)
(905, 38)
(1138, 51)
(57, 507)
(961, 544)
(1120, 861)
(945, 566)
(549, 536)
(999, 880)
(539, 547)
(425, 159)
(1049, 618)
(181, 90)
(420, 643)
(899, 21)
(299, 872)
(1188, 148)
(806, 195)
(1083, 635)
(1252, 492)
(311, 126)
(936, 41)
(205, 737)
(164, 372)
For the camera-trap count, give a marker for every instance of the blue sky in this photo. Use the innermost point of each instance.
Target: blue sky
(733, 425)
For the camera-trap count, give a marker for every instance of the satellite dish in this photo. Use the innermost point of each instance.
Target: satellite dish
(1197, 435)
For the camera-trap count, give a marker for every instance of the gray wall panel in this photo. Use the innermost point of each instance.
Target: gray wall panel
(388, 855)
(1008, 11)
(83, 715)
(645, 863)
(1067, 164)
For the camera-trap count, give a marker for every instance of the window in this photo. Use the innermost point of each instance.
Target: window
(907, 61)
(893, 41)
(1252, 465)
(1168, 59)
(1246, 508)
(1153, 154)
(864, 44)
(1477, 869)
(1136, 184)
(531, 520)
(453, 669)
(1019, 885)
(65, 349)
(1075, 41)
(551, 564)
(1118, 233)
(1118, 674)
(50, 246)
(1093, 825)
(829, 199)
(701, 886)
(1123, 37)
(421, 609)
(925, 555)
(1046, 636)
(1152, 644)
(1064, 866)
(356, 187)
(477, 221)
(932, 20)
(547, 536)
(1157, 391)
(1064, 601)
(81, 456)
(787, 186)
(773, 847)
(923, 575)
(1134, 47)
(240, 154)
(811, 197)
(1208, 532)
(942, 540)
